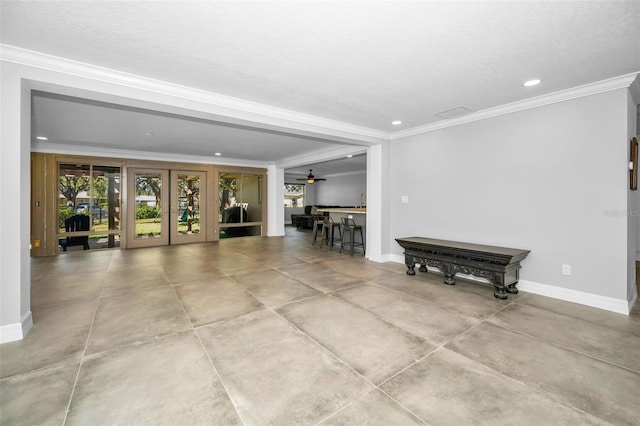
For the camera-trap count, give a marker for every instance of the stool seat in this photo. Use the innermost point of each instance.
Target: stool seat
(349, 227)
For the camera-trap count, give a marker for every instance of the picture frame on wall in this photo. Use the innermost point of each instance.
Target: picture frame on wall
(633, 165)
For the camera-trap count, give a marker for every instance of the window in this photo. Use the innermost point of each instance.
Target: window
(293, 195)
(94, 191)
(240, 196)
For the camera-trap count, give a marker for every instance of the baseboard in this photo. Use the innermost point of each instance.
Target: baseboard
(620, 306)
(16, 331)
(383, 258)
(634, 298)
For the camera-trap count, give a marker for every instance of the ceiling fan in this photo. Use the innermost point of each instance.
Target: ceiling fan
(310, 178)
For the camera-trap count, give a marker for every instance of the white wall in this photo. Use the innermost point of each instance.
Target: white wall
(275, 207)
(541, 179)
(341, 190)
(15, 191)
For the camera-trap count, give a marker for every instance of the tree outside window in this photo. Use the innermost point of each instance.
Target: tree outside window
(293, 195)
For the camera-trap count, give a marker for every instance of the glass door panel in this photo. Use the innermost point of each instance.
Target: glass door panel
(148, 211)
(106, 212)
(88, 206)
(252, 197)
(188, 214)
(240, 198)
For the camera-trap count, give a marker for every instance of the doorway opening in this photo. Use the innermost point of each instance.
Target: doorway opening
(169, 207)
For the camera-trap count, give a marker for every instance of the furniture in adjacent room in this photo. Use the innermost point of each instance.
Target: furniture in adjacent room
(499, 265)
(233, 215)
(349, 227)
(357, 216)
(76, 223)
(303, 220)
(306, 220)
(318, 226)
(329, 231)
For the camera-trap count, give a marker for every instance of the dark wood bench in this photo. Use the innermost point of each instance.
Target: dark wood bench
(499, 265)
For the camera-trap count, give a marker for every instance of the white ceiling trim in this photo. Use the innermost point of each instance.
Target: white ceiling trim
(56, 148)
(317, 156)
(357, 172)
(227, 106)
(264, 115)
(614, 83)
(635, 91)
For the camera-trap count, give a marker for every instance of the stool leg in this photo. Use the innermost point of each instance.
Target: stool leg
(322, 235)
(315, 233)
(362, 239)
(333, 231)
(353, 235)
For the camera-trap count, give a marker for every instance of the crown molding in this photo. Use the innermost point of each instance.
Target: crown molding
(634, 88)
(319, 155)
(356, 172)
(619, 82)
(231, 107)
(260, 113)
(58, 148)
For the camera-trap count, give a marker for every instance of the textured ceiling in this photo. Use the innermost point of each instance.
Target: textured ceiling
(362, 63)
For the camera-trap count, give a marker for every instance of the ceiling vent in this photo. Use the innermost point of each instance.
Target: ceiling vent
(454, 113)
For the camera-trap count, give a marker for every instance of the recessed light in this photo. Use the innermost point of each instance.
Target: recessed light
(533, 82)
(148, 134)
(349, 156)
(42, 138)
(396, 122)
(217, 154)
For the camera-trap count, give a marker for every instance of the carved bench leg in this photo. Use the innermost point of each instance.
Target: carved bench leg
(500, 292)
(423, 268)
(512, 288)
(411, 264)
(449, 273)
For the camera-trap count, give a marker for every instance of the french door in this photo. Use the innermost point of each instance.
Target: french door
(165, 207)
(187, 212)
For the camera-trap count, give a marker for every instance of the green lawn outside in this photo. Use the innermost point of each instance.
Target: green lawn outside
(148, 227)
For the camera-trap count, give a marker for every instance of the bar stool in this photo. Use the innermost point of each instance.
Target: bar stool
(318, 225)
(329, 231)
(349, 225)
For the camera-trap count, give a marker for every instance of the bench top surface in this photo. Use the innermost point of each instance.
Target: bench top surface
(461, 246)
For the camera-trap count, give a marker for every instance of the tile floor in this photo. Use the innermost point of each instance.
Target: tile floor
(260, 331)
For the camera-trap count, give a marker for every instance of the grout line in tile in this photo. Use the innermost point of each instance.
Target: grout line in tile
(557, 345)
(548, 394)
(224, 386)
(324, 348)
(333, 355)
(84, 350)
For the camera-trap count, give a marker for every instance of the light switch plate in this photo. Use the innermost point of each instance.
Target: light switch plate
(404, 199)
